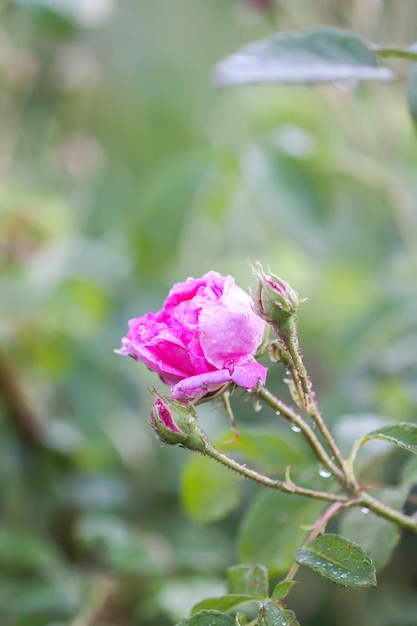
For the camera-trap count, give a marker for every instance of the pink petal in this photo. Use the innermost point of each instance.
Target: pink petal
(246, 376)
(229, 328)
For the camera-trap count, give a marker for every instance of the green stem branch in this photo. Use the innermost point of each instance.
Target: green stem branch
(381, 509)
(288, 413)
(302, 380)
(286, 486)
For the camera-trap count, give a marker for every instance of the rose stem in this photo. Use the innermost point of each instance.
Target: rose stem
(287, 412)
(287, 487)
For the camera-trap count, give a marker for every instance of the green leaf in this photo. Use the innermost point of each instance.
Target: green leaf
(409, 471)
(208, 618)
(412, 92)
(409, 53)
(341, 561)
(272, 615)
(209, 491)
(271, 453)
(321, 55)
(248, 580)
(377, 536)
(403, 435)
(282, 589)
(271, 529)
(223, 603)
(241, 619)
(291, 618)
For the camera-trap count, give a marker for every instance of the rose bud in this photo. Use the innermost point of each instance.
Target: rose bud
(205, 336)
(176, 423)
(275, 300)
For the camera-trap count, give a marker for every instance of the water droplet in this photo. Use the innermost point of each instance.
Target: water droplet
(277, 412)
(364, 510)
(343, 576)
(324, 472)
(295, 429)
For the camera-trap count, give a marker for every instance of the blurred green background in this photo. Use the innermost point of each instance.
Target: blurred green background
(123, 171)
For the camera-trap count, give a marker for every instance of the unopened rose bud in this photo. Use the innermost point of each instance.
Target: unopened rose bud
(275, 300)
(176, 423)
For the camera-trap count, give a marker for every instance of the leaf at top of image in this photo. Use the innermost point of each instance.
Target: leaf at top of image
(321, 55)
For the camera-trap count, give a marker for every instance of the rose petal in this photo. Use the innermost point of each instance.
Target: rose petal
(246, 376)
(249, 375)
(151, 341)
(205, 335)
(187, 290)
(229, 329)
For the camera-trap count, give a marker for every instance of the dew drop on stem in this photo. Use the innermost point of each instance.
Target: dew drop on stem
(295, 429)
(324, 472)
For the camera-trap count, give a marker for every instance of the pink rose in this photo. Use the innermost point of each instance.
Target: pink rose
(206, 335)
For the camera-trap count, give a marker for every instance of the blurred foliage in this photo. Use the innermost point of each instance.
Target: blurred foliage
(123, 171)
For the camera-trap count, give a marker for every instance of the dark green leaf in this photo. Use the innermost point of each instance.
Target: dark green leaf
(377, 536)
(208, 618)
(412, 92)
(282, 589)
(403, 435)
(271, 530)
(208, 490)
(272, 615)
(341, 561)
(223, 603)
(317, 56)
(248, 580)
